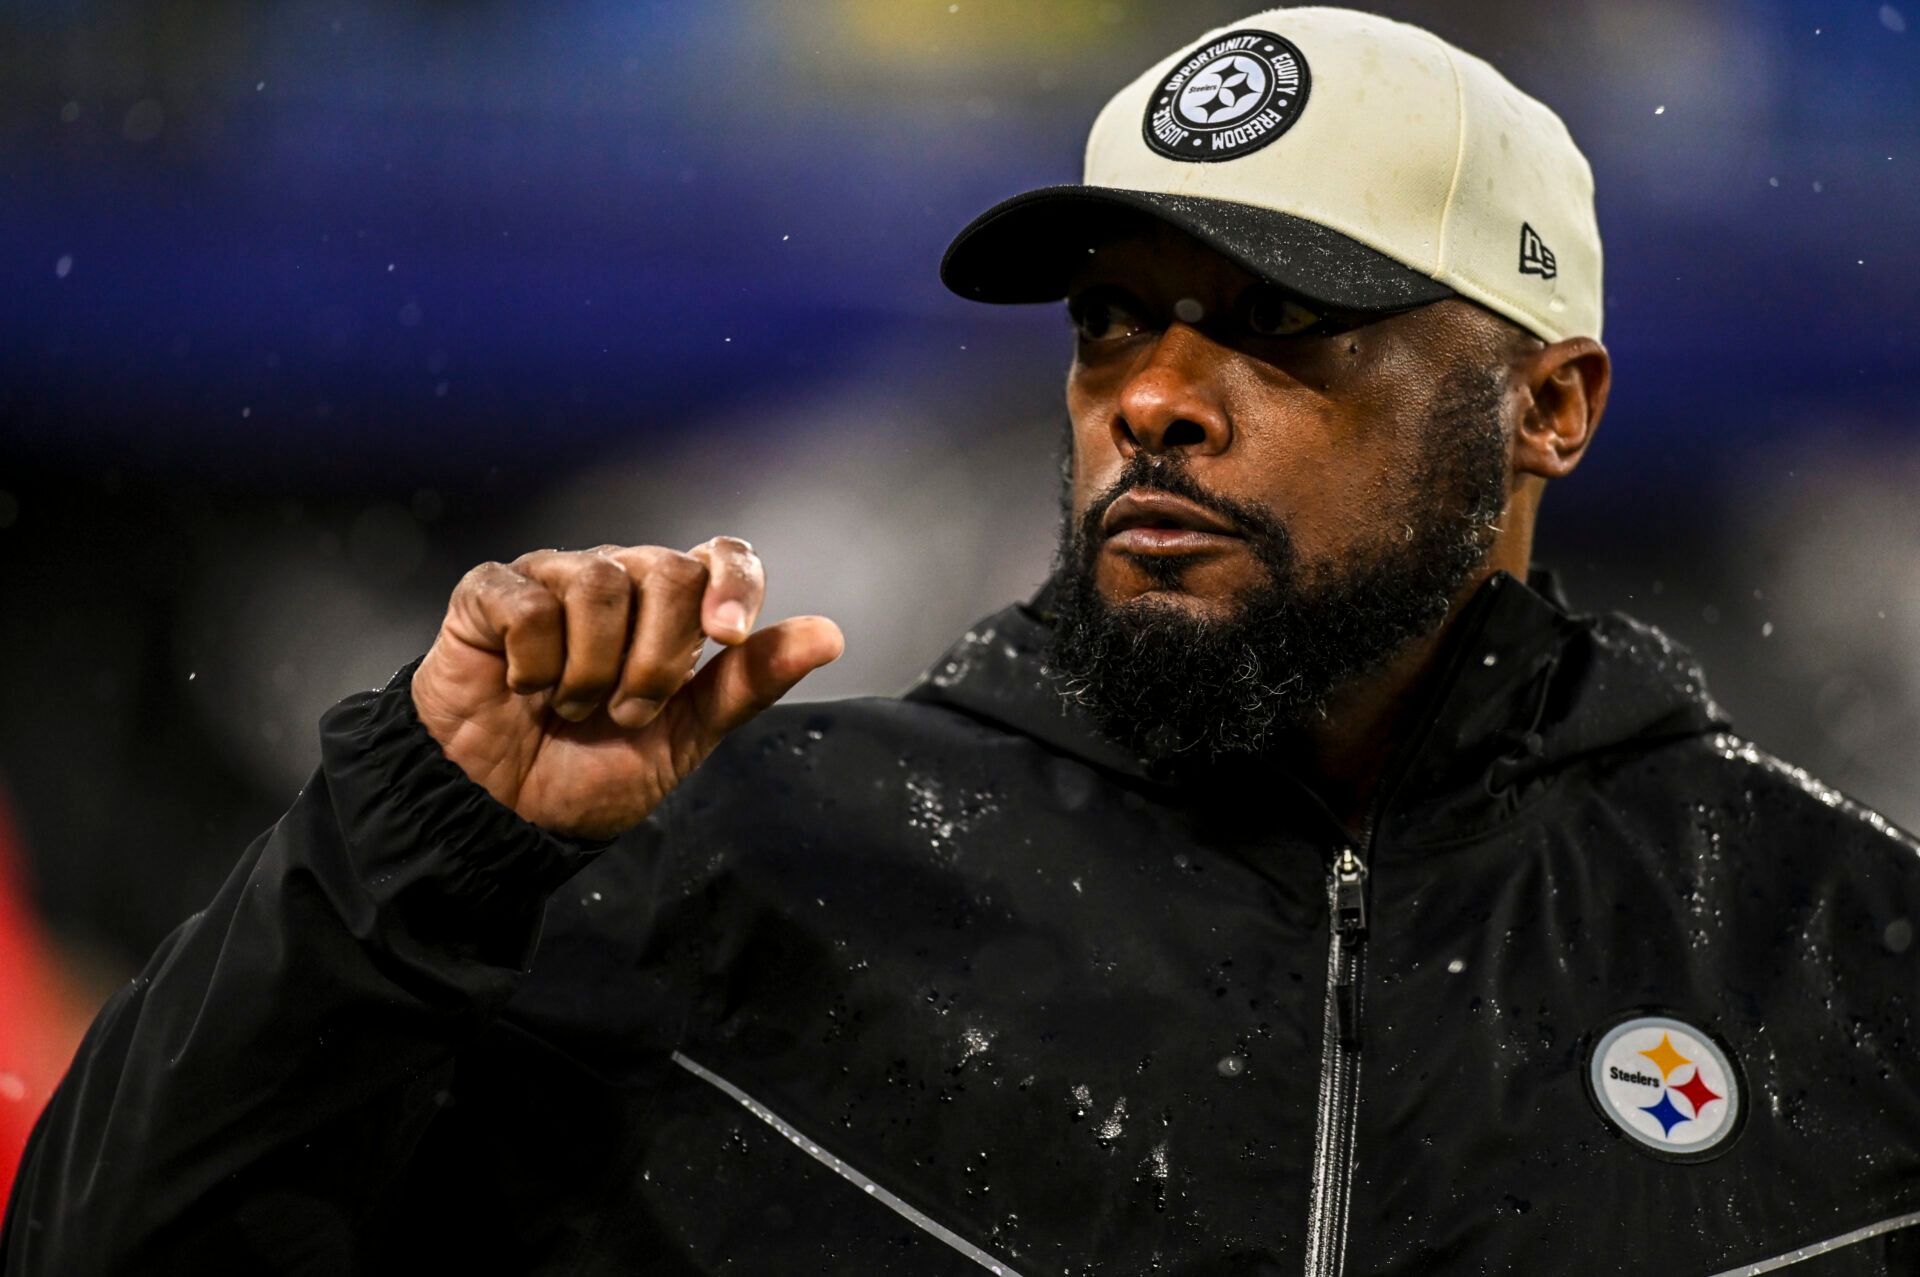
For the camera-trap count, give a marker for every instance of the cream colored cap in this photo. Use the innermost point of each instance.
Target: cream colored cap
(1363, 162)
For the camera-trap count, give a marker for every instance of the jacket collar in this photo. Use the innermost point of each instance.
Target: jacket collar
(1521, 689)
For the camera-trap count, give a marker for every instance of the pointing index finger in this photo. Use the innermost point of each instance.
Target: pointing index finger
(736, 585)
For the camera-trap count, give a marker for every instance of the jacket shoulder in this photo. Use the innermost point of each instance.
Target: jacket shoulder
(1785, 798)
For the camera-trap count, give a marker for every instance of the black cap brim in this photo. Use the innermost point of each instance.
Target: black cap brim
(1026, 249)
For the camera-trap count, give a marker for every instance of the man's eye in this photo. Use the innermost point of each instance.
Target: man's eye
(1102, 319)
(1272, 313)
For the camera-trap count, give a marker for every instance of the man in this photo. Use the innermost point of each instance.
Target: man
(1289, 887)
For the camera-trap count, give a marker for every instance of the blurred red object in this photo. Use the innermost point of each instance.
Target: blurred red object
(42, 1016)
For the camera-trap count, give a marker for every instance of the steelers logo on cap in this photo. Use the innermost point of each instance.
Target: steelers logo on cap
(1230, 96)
(1668, 1086)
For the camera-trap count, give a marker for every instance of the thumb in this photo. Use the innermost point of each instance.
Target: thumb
(748, 677)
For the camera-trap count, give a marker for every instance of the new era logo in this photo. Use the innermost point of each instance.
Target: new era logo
(1535, 257)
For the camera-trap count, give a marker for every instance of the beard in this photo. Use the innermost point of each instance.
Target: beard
(1181, 691)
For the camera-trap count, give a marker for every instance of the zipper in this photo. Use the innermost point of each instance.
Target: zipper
(1340, 1038)
(1339, 1067)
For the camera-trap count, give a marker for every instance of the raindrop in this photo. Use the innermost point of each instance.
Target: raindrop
(144, 120)
(1189, 311)
(63, 267)
(974, 1042)
(1457, 966)
(1231, 1066)
(69, 113)
(1490, 660)
(1659, 110)
(1766, 630)
(1892, 19)
(12, 1088)
(1898, 936)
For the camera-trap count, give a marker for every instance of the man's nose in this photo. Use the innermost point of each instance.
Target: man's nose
(1172, 402)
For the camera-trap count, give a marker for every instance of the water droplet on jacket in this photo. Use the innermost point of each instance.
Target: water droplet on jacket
(1898, 936)
(974, 1041)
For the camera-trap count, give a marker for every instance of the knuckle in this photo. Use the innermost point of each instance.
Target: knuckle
(482, 576)
(681, 570)
(530, 607)
(731, 545)
(600, 581)
(475, 580)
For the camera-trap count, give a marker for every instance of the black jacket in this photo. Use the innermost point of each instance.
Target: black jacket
(923, 985)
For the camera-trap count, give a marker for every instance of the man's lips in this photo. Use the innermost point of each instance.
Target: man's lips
(1143, 522)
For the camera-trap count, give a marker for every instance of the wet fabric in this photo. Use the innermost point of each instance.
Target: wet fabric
(942, 983)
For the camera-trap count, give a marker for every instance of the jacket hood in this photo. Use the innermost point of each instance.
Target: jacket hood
(1521, 689)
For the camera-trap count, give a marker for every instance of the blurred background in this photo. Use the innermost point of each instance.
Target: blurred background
(309, 306)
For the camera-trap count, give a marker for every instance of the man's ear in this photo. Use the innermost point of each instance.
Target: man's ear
(1564, 391)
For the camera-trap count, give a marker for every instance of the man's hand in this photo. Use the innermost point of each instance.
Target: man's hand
(563, 682)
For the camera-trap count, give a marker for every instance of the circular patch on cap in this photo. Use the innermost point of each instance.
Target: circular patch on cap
(1231, 96)
(1667, 1085)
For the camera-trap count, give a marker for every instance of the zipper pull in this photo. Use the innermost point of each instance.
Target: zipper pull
(1349, 895)
(1350, 926)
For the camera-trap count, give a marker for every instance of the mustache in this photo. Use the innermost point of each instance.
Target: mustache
(1172, 476)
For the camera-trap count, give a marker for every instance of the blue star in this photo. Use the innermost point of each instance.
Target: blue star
(1666, 1113)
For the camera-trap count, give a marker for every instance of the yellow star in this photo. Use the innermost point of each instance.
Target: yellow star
(1665, 1057)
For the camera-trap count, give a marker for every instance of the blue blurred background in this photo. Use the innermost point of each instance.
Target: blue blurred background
(310, 306)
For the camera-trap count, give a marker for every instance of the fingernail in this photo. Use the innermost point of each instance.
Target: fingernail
(730, 616)
(634, 711)
(573, 711)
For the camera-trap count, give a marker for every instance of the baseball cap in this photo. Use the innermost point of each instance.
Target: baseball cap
(1363, 163)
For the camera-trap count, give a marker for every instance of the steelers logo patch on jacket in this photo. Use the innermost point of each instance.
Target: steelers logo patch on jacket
(1667, 1085)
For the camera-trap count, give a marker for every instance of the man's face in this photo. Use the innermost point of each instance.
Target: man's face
(1339, 490)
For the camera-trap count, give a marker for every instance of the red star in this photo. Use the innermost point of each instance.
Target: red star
(1698, 1093)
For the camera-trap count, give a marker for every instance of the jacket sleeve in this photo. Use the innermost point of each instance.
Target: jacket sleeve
(242, 1104)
